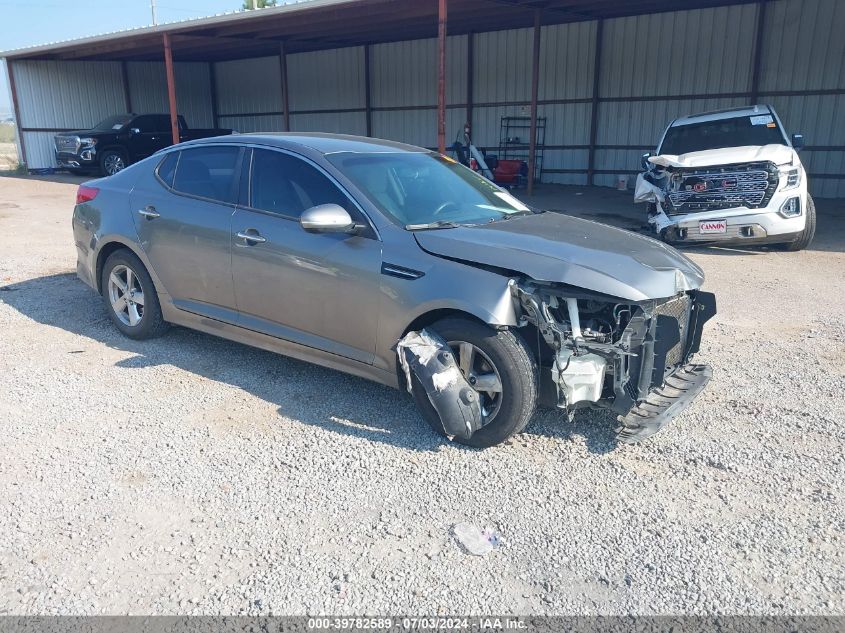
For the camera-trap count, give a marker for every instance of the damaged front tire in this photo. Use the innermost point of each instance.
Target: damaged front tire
(485, 353)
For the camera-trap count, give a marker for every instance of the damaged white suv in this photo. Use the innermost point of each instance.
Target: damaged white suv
(728, 176)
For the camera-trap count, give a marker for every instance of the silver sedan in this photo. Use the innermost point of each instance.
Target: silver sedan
(400, 265)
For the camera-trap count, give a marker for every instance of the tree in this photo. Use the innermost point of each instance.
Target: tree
(258, 4)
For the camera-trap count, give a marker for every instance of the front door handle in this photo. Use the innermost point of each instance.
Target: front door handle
(149, 212)
(251, 238)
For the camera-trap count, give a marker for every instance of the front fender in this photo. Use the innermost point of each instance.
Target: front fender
(446, 285)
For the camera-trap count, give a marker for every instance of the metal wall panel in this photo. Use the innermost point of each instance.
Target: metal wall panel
(803, 49)
(703, 51)
(416, 127)
(803, 45)
(565, 159)
(567, 59)
(405, 73)
(249, 123)
(502, 66)
(66, 94)
(821, 119)
(40, 151)
(148, 90)
(248, 86)
(325, 80)
(336, 122)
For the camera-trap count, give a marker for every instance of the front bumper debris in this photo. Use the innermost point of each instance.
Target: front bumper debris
(640, 370)
(662, 404)
(431, 360)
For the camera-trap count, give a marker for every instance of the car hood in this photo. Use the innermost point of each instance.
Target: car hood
(558, 248)
(79, 133)
(778, 154)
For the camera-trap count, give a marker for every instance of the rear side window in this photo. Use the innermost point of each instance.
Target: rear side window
(208, 172)
(287, 185)
(167, 168)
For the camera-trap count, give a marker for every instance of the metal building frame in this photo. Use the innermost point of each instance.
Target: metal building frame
(236, 36)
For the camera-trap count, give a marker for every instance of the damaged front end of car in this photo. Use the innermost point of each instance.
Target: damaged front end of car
(630, 357)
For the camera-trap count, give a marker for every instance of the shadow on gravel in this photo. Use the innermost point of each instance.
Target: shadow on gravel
(303, 392)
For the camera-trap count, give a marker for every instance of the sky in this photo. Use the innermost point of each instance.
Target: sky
(27, 23)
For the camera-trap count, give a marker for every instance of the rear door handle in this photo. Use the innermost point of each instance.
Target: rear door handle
(251, 238)
(149, 212)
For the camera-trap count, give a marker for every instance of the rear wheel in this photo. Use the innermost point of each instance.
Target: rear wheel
(806, 236)
(130, 296)
(499, 367)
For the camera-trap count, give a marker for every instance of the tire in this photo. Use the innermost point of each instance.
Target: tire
(112, 161)
(140, 319)
(806, 236)
(516, 368)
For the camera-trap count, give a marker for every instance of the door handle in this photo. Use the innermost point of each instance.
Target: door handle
(252, 237)
(149, 212)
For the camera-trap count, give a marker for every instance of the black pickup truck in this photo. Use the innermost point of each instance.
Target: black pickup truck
(121, 140)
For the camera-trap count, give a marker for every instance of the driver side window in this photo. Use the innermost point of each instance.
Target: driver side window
(287, 186)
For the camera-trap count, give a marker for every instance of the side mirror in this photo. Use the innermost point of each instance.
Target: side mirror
(797, 142)
(644, 161)
(134, 130)
(327, 218)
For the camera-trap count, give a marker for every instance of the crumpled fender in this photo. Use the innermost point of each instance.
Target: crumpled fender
(431, 360)
(644, 191)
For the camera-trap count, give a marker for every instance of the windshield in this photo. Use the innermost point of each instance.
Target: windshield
(113, 122)
(426, 188)
(735, 132)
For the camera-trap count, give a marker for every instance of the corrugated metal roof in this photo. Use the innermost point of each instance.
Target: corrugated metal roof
(324, 24)
(172, 25)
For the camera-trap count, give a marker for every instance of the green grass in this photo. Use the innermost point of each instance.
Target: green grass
(7, 133)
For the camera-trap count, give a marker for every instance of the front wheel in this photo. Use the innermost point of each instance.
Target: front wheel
(499, 367)
(112, 161)
(806, 236)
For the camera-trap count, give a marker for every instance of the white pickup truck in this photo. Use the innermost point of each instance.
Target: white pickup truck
(728, 176)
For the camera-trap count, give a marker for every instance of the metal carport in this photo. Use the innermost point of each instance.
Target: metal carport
(606, 75)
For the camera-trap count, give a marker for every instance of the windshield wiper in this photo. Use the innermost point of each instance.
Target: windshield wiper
(510, 216)
(439, 224)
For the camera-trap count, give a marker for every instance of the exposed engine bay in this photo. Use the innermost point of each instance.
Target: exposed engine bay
(592, 351)
(632, 358)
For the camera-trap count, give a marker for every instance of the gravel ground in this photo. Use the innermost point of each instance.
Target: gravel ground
(193, 475)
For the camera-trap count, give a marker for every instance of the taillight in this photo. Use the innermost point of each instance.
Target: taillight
(86, 194)
(473, 164)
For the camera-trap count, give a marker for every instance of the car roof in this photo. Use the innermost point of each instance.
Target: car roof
(317, 141)
(727, 113)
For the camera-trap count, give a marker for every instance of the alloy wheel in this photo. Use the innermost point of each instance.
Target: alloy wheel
(126, 295)
(113, 164)
(482, 375)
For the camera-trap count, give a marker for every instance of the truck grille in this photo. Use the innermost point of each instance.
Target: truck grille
(679, 309)
(709, 189)
(69, 144)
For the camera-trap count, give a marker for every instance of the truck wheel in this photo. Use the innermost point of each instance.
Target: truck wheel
(130, 297)
(499, 360)
(806, 236)
(111, 162)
